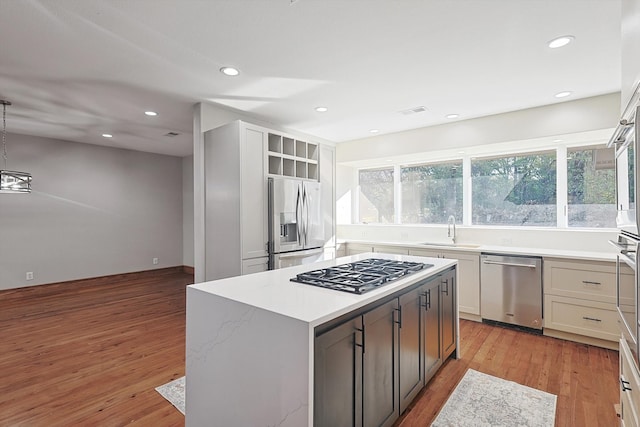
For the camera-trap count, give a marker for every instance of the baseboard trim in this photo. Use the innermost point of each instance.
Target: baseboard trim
(47, 288)
(612, 345)
(469, 316)
(189, 270)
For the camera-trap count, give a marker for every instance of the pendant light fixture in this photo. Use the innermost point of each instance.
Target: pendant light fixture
(11, 182)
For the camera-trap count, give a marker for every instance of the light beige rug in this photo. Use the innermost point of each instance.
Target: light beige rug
(174, 392)
(481, 400)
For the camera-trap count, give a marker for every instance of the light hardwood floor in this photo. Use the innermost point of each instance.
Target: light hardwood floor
(584, 378)
(91, 353)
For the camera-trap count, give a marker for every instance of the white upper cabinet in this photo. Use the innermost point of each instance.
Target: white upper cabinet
(630, 49)
(292, 157)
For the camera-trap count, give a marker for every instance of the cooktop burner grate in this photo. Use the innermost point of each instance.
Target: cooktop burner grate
(360, 276)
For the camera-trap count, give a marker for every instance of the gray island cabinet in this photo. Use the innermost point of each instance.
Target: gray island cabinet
(262, 350)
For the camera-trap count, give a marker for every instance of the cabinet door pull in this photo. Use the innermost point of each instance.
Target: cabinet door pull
(425, 300)
(356, 343)
(589, 282)
(429, 299)
(399, 321)
(625, 385)
(445, 289)
(593, 319)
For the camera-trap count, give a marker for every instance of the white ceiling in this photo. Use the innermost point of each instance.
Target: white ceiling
(75, 69)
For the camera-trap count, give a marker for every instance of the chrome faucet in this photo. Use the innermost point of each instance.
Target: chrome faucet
(451, 220)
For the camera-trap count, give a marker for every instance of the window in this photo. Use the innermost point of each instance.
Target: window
(515, 190)
(590, 187)
(431, 193)
(376, 196)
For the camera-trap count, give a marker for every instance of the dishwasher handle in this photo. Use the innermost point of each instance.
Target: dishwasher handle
(509, 264)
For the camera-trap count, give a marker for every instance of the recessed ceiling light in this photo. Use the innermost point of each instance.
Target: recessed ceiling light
(229, 71)
(557, 140)
(374, 131)
(151, 113)
(322, 109)
(452, 116)
(562, 94)
(560, 41)
(107, 135)
(460, 152)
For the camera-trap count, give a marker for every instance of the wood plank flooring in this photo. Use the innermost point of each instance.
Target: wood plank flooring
(91, 352)
(584, 378)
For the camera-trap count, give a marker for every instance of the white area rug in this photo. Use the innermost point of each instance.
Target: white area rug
(174, 392)
(482, 400)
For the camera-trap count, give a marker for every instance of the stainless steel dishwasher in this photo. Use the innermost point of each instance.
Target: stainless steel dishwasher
(511, 289)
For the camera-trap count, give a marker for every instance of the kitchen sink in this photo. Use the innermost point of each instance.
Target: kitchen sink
(452, 245)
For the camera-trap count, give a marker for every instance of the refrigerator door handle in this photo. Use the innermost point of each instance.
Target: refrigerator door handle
(298, 217)
(305, 210)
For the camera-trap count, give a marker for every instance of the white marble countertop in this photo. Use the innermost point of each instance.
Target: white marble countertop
(470, 247)
(273, 290)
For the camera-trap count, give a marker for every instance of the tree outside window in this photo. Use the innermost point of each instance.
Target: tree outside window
(591, 197)
(431, 193)
(376, 196)
(515, 190)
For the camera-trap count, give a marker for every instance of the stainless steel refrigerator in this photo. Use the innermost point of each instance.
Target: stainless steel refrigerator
(296, 231)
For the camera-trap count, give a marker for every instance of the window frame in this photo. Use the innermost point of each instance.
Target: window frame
(561, 153)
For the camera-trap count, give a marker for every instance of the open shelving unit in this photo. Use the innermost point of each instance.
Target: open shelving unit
(292, 157)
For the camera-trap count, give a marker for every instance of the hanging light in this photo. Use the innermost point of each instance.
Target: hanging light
(11, 182)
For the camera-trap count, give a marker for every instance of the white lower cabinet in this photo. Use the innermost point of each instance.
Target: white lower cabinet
(391, 250)
(255, 265)
(629, 389)
(358, 248)
(468, 277)
(590, 318)
(580, 300)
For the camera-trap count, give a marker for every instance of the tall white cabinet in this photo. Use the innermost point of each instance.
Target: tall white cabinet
(238, 159)
(327, 181)
(235, 200)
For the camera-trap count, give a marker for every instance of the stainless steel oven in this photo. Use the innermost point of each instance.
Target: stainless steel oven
(624, 139)
(627, 292)
(627, 159)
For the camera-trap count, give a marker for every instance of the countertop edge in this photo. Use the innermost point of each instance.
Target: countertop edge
(541, 252)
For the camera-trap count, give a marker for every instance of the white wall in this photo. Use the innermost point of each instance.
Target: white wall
(94, 211)
(587, 120)
(600, 112)
(539, 238)
(187, 211)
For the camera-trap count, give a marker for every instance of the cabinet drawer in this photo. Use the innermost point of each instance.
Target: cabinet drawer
(630, 399)
(596, 282)
(356, 248)
(391, 250)
(583, 317)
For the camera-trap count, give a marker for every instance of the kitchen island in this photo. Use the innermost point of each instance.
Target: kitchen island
(251, 342)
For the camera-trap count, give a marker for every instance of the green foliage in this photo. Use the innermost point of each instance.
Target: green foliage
(431, 193)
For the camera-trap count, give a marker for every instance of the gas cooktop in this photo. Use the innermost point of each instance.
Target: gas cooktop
(360, 276)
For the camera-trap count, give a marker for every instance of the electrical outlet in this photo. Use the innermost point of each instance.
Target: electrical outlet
(29, 275)
(155, 261)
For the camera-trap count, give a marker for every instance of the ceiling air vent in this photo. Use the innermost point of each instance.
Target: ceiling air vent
(171, 134)
(414, 110)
